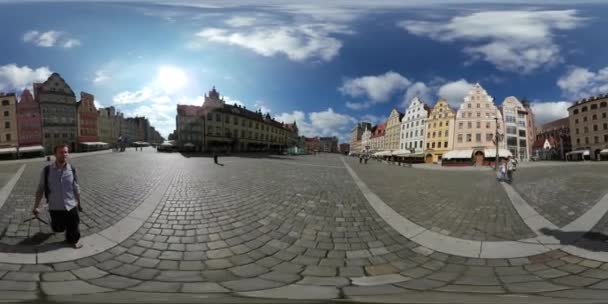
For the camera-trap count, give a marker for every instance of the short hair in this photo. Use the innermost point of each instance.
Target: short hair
(60, 146)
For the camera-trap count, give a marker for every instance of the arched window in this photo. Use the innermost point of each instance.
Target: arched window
(603, 104)
(584, 109)
(593, 106)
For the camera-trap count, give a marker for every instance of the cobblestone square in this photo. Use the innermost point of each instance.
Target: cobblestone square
(317, 226)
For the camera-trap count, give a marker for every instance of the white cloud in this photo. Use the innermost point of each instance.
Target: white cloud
(323, 123)
(50, 39)
(231, 101)
(128, 97)
(378, 88)
(581, 82)
(70, 43)
(548, 111)
(418, 89)
(373, 119)
(13, 77)
(100, 76)
(517, 40)
(299, 42)
(455, 91)
(161, 116)
(358, 105)
(193, 101)
(240, 21)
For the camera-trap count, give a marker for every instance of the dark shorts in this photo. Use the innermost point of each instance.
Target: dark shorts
(68, 221)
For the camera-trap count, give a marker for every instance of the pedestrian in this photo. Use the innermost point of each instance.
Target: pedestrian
(511, 167)
(215, 158)
(360, 159)
(59, 185)
(366, 158)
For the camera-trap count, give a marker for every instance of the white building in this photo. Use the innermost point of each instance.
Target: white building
(366, 143)
(413, 124)
(516, 128)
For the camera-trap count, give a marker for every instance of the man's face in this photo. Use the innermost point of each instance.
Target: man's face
(61, 154)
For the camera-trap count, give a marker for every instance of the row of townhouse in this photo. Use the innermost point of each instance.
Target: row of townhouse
(35, 123)
(431, 134)
(218, 126)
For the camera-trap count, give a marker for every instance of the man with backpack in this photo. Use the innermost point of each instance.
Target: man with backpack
(59, 185)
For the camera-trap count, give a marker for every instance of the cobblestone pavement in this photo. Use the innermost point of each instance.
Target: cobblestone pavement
(465, 204)
(279, 227)
(562, 193)
(112, 185)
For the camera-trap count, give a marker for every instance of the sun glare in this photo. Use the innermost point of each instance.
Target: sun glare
(171, 78)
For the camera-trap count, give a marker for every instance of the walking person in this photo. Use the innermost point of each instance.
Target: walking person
(215, 157)
(511, 167)
(59, 185)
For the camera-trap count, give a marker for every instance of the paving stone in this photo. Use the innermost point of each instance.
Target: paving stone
(572, 268)
(191, 265)
(533, 287)
(115, 282)
(22, 276)
(472, 289)
(381, 269)
(421, 284)
(351, 291)
(145, 274)
(379, 280)
(17, 285)
(219, 253)
(295, 292)
(595, 273)
(519, 261)
(416, 272)
(519, 278)
(36, 268)
(325, 281)
(551, 273)
(319, 271)
(146, 262)
(477, 280)
(153, 286)
(70, 288)
(58, 276)
(218, 264)
(88, 273)
(249, 270)
(280, 277)
(590, 264)
(65, 266)
(351, 271)
(250, 284)
(204, 287)
(288, 267)
(168, 265)
(575, 280)
(357, 254)
(219, 275)
(179, 276)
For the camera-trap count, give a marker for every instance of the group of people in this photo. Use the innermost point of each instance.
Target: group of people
(506, 169)
(363, 158)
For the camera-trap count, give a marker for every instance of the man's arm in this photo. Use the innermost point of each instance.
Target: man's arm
(77, 191)
(39, 193)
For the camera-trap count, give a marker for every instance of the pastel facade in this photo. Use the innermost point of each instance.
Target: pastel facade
(413, 125)
(439, 131)
(516, 128)
(393, 131)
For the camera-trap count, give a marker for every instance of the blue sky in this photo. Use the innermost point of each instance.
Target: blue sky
(326, 66)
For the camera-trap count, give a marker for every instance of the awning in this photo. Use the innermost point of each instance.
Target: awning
(605, 151)
(31, 148)
(401, 153)
(501, 153)
(458, 154)
(8, 150)
(88, 143)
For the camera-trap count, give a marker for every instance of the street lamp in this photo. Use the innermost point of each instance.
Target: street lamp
(497, 137)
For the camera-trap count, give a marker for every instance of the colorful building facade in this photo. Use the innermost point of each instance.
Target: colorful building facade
(439, 131)
(29, 121)
(87, 120)
(413, 125)
(393, 131)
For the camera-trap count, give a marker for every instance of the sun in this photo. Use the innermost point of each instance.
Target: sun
(171, 78)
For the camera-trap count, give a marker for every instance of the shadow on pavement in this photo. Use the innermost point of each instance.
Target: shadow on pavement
(589, 240)
(35, 239)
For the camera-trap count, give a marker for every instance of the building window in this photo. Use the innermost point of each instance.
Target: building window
(421, 145)
(594, 117)
(575, 112)
(584, 109)
(522, 133)
(605, 126)
(478, 114)
(459, 138)
(576, 120)
(56, 135)
(603, 104)
(586, 140)
(218, 117)
(8, 137)
(576, 131)
(578, 141)
(469, 106)
(478, 137)
(593, 106)
(236, 121)
(478, 124)
(6, 113)
(459, 125)
(489, 136)
(5, 102)
(447, 123)
(469, 137)
(470, 114)
(469, 124)
(596, 138)
(594, 127)
(7, 125)
(427, 145)
(604, 115)
(586, 129)
(433, 134)
(428, 135)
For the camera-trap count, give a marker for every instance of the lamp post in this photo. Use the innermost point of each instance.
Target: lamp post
(497, 138)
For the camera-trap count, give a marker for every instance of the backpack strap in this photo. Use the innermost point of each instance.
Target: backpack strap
(74, 173)
(47, 169)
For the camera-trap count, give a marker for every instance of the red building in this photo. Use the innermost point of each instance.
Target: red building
(344, 148)
(313, 144)
(87, 121)
(29, 122)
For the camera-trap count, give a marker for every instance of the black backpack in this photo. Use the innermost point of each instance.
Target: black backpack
(47, 169)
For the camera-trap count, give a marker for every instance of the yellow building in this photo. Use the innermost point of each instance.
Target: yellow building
(439, 131)
(393, 131)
